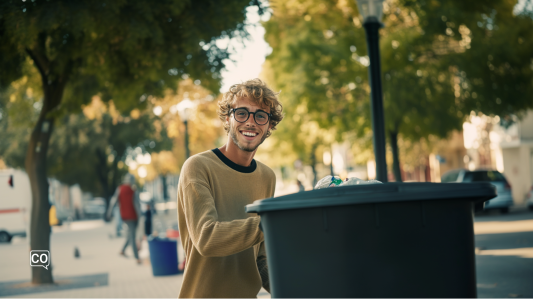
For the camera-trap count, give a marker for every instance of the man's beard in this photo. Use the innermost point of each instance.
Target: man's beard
(233, 133)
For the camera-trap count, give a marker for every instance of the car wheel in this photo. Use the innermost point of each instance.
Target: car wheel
(504, 210)
(4, 237)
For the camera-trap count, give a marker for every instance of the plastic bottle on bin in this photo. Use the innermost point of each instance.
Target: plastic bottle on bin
(334, 181)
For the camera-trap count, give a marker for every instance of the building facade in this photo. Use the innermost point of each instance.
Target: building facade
(517, 153)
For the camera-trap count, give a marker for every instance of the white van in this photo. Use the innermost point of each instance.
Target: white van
(15, 203)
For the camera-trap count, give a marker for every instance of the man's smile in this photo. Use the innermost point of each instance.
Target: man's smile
(249, 135)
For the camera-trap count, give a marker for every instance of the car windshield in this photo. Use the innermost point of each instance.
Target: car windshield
(484, 176)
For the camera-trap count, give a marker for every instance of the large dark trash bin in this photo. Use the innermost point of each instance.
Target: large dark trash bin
(389, 240)
(163, 256)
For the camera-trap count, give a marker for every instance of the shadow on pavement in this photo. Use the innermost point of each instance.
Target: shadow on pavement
(519, 213)
(509, 240)
(504, 276)
(22, 287)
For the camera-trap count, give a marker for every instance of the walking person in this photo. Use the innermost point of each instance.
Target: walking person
(224, 246)
(130, 210)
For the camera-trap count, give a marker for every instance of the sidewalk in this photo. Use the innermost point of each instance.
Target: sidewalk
(503, 262)
(98, 256)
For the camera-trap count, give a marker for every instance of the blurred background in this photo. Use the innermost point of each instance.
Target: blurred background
(92, 91)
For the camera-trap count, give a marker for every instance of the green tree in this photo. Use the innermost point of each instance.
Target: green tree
(489, 44)
(427, 50)
(88, 148)
(322, 87)
(123, 49)
(328, 65)
(417, 83)
(92, 151)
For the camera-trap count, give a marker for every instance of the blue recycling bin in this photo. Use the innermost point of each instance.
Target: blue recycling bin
(163, 256)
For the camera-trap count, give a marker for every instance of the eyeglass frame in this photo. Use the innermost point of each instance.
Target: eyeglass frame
(232, 111)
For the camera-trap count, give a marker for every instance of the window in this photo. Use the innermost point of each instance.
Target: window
(477, 176)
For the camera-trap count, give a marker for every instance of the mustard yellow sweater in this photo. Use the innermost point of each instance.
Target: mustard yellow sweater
(223, 244)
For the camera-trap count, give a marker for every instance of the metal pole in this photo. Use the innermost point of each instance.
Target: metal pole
(187, 152)
(372, 26)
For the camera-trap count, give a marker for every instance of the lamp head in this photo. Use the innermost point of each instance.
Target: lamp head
(371, 10)
(185, 108)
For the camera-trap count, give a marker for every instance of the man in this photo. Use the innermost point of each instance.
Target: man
(130, 210)
(224, 251)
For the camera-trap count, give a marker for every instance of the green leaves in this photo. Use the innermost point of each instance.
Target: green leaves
(313, 63)
(66, 52)
(87, 147)
(128, 47)
(490, 47)
(440, 60)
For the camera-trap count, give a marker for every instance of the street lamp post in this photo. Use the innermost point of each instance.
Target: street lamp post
(187, 151)
(184, 109)
(372, 11)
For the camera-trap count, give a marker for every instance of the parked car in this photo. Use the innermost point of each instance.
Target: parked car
(15, 204)
(502, 202)
(529, 198)
(95, 209)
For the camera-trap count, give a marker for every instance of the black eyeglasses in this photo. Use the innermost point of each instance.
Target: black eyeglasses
(241, 115)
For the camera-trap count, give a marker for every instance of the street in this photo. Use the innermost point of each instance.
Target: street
(504, 260)
(504, 256)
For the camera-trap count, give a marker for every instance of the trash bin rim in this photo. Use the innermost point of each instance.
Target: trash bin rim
(381, 193)
(162, 240)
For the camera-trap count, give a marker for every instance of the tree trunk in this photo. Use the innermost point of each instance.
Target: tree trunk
(164, 186)
(35, 163)
(313, 163)
(102, 171)
(40, 222)
(115, 181)
(36, 168)
(395, 156)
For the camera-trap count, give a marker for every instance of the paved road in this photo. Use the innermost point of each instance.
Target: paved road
(504, 254)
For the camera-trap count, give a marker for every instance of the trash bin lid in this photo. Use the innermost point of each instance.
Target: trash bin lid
(376, 193)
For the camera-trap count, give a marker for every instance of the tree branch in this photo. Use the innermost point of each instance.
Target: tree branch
(59, 85)
(40, 59)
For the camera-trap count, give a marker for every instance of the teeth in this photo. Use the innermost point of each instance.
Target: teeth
(249, 133)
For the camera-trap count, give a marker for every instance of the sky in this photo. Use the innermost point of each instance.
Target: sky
(248, 56)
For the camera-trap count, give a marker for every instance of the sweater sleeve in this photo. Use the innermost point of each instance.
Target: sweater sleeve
(210, 236)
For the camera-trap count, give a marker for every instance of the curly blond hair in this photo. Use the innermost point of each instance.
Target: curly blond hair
(257, 91)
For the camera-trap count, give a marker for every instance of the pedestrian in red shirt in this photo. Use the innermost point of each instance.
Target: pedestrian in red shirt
(130, 210)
